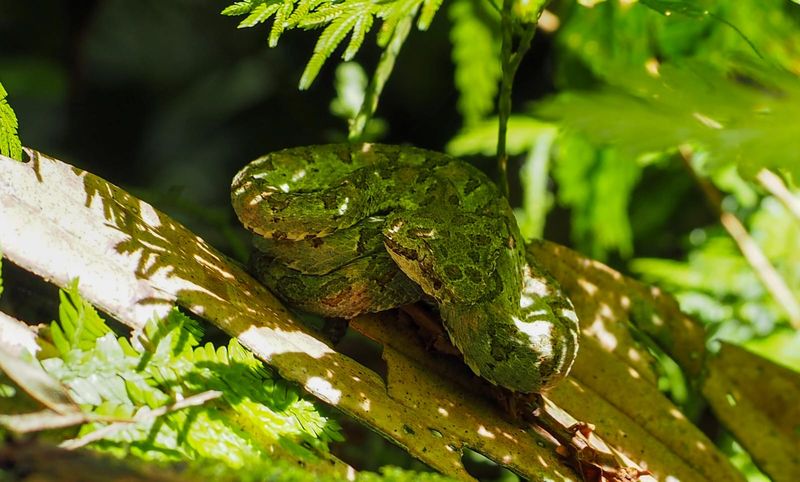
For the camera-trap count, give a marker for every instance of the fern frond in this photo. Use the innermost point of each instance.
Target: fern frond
(360, 30)
(331, 37)
(476, 55)
(325, 14)
(10, 144)
(260, 14)
(429, 9)
(240, 8)
(337, 18)
(110, 377)
(392, 13)
(78, 324)
(279, 24)
(301, 11)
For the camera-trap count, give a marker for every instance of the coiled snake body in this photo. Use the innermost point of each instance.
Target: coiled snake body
(347, 229)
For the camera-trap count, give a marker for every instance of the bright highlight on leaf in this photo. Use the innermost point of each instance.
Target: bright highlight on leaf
(10, 144)
(339, 19)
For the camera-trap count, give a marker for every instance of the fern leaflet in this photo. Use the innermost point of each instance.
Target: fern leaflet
(476, 55)
(10, 144)
(259, 14)
(114, 377)
(337, 18)
(429, 9)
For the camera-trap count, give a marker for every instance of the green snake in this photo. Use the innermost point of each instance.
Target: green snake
(348, 229)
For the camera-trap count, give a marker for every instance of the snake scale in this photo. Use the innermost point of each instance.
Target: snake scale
(347, 229)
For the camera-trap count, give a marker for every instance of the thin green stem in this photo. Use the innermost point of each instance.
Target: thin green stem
(510, 63)
(379, 78)
(504, 100)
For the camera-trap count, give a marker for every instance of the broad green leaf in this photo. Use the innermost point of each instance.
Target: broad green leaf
(607, 39)
(668, 7)
(745, 116)
(481, 138)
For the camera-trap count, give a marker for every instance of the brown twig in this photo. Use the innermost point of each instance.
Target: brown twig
(775, 185)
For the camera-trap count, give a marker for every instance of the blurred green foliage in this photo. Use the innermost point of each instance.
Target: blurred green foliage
(476, 55)
(718, 79)
(717, 284)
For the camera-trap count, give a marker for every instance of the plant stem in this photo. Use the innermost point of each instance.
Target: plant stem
(510, 63)
(379, 78)
(749, 248)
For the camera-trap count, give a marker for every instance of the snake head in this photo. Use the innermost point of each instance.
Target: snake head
(527, 353)
(454, 261)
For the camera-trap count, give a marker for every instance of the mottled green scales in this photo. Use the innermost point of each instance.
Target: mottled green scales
(349, 229)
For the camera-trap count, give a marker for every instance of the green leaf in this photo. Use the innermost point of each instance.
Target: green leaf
(78, 324)
(392, 14)
(330, 39)
(259, 14)
(280, 23)
(10, 144)
(694, 9)
(668, 7)
(534, 176)
(238, 8)
(607, 39)
(481, 138)
(360, 30)
(112, 378)
(338, 18)
(476, 55)
(59, 339)
(597, 186)
(745, 117)
(429, 9)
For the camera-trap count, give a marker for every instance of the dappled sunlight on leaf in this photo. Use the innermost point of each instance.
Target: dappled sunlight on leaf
(430, 404)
